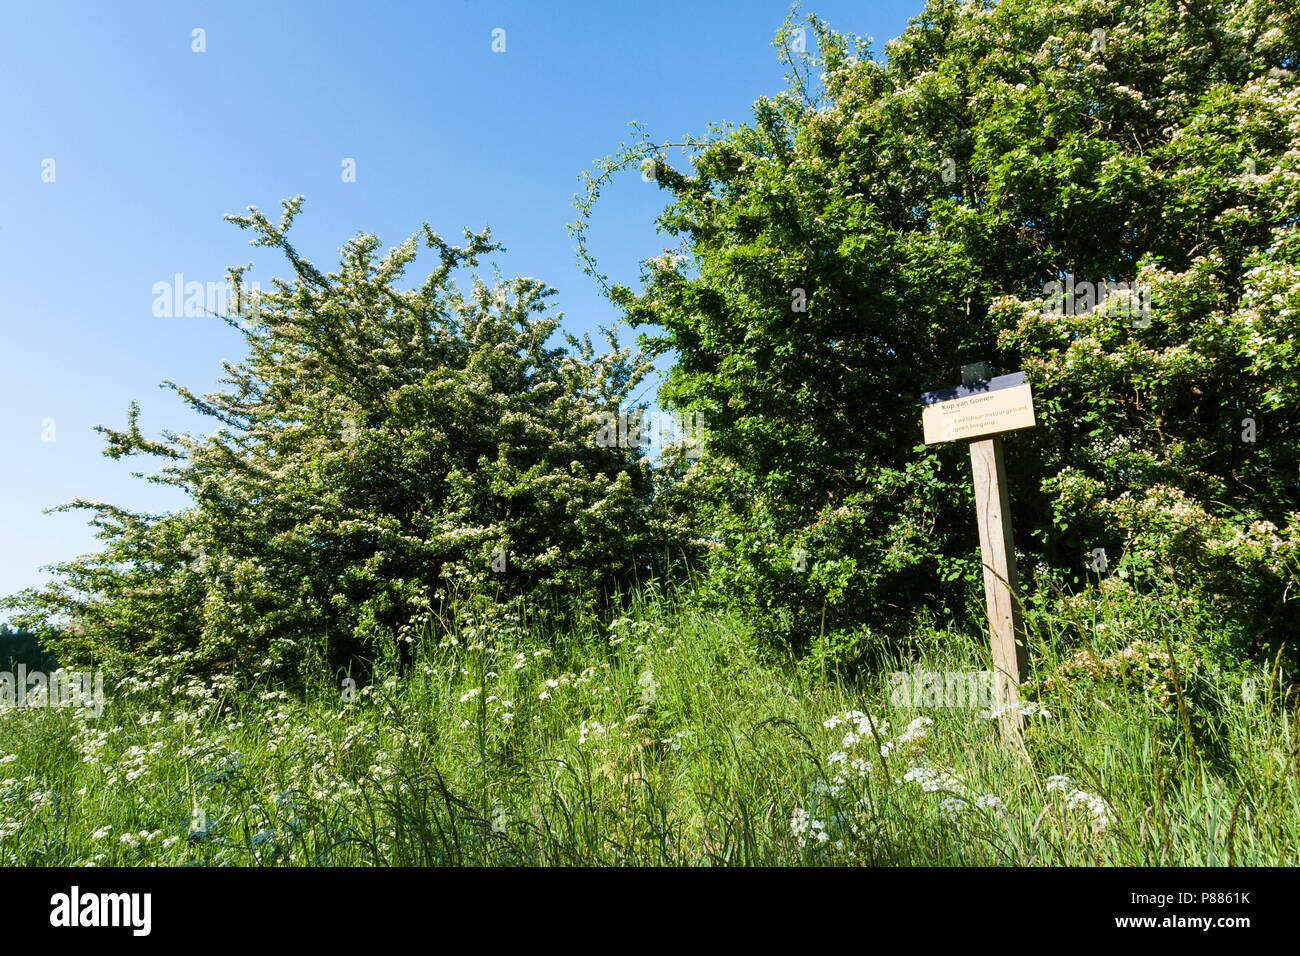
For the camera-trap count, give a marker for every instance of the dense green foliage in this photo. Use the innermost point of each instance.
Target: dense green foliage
(884, 223)
(382, 455)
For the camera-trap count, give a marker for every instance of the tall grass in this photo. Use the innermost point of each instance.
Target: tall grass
(666, 738)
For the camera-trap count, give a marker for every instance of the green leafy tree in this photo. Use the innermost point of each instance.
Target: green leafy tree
(382, 457)
(882, 223)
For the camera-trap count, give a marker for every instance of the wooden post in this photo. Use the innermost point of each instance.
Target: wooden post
(998, 553)
(982, 408)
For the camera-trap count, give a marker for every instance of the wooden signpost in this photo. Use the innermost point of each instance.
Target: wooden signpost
(983, 408)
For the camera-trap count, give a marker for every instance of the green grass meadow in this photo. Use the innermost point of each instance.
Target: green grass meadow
(665, 738)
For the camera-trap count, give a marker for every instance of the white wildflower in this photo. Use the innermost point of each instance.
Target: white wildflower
(917, 731)
(1058, 782)
(990, 802)
(649, 687)
(953, 807)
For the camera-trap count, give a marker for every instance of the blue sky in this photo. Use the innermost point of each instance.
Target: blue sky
(153, 143)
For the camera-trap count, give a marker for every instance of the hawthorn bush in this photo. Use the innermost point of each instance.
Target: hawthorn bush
(880, 224)
(384, 457)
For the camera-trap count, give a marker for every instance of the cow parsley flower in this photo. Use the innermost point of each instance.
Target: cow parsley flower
(799, 821)
(990, 802)
(649, 687)
(804, 827)
(952, 807)
(917, 731)
(1058, 782)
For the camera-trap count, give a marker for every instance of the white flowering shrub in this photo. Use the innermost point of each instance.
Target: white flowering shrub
(385, 457)
(919, 203)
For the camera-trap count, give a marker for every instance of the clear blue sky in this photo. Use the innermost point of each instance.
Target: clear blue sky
(153, 143)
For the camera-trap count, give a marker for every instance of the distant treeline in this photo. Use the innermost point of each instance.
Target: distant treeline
(23, 647)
